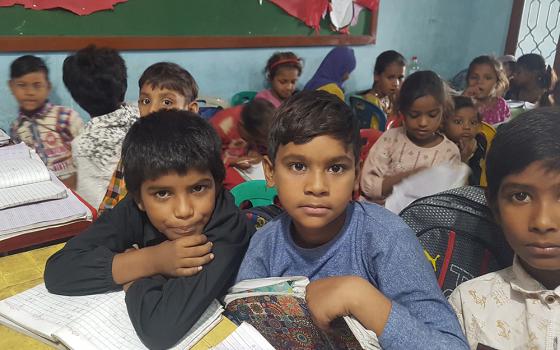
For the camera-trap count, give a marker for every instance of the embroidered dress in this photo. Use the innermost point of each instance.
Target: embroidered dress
(496, 113)
(97, 150)
(508, 309)
(50, 132)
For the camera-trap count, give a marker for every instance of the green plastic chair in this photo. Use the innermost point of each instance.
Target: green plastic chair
(254, 191)
(243, 97)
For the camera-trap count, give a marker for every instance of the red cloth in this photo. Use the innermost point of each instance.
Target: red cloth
(79, 7)
(311, 11)
(308, 11)
(233, 146)
(372, 5)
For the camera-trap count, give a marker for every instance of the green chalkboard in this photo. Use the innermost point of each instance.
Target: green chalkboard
(194, 23)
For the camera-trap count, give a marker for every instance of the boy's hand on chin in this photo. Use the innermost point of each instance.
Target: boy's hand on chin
(183, 257)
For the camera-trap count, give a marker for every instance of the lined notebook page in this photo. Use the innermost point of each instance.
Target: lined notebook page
(244, 337)
(18, 151)
(36, 215)
(44, 313)
(30, 193)
(109, 327)
(15, 172)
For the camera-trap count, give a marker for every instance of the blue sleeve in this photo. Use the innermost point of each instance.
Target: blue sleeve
(421, 317)
(257, 258)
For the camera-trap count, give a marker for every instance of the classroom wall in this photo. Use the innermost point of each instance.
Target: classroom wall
(444, 34)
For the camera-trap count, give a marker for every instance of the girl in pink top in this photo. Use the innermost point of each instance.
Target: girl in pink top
(487, 82)
(403, 151)
(282, 72)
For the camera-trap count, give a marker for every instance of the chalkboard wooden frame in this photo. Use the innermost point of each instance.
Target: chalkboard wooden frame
(71, 43)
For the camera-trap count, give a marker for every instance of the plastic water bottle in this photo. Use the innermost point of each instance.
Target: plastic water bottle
(413, 66)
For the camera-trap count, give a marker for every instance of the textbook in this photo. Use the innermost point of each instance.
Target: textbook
(97, 321)
(276, 308)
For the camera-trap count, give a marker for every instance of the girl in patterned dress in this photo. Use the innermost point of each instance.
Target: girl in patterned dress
(403, 151)
(487, 82)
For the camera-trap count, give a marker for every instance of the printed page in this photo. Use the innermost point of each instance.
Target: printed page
(30, 193)
(44, 313)
(108, 326)
(245, 337)
(15, 172)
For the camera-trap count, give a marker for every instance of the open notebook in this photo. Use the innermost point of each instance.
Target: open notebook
(87, 322)
(276, 307)
(27, 180)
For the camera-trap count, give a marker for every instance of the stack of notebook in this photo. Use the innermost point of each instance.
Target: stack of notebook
(31, 197)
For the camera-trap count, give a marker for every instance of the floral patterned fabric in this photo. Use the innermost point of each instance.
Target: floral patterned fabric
(285, 322)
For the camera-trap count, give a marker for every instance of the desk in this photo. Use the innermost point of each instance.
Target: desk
(22, 271)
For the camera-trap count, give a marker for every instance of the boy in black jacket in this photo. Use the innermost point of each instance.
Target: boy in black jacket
(173, 244)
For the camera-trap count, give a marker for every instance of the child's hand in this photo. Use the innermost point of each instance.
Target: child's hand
(329, 298)
(184, 256)
(467, 148)
(333, 297)
(247, 162)
(471, 91)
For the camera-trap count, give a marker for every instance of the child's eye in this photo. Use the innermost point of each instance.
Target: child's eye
(167, 102)
(521, 197)
(474, 123)
(298, 167)
(337, 168)
(162, 194)
(21, 85)
(457, 121)
(145, 101)
(199, 188)
(434, 115)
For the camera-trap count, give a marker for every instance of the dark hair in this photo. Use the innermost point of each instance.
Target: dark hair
(171, 76)
(28, 64)
(502, 82)
(533, 62)
(280, 60)
(461, 101)
(386, 58)
(256, 116)
(530, 137)
(96, 79)
(424, 83)
(313, 113)
(170, 140)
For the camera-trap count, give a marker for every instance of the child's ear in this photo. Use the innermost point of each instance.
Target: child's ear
(268, 171)
(192, 107)
(139, 203)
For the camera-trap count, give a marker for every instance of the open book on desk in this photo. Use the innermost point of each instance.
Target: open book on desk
(276, 307)
(27, 180)
(87, 322)
(31, 217)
